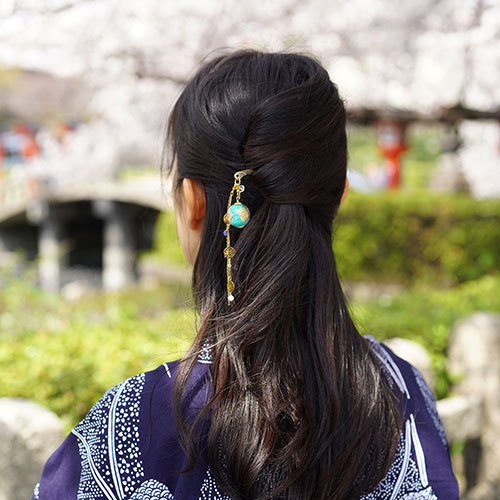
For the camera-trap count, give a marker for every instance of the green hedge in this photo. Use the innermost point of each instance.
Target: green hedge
(65, 356)
(417, 237)
(399, 237)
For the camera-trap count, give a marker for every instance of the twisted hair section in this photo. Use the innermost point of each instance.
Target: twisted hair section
(298, 407)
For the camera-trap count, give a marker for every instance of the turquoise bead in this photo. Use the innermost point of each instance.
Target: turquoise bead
(238, 215)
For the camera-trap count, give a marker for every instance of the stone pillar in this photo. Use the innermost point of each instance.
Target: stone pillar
(29, 434)
(448, 175)
(51, 254)
(119, 246)
(474, 354)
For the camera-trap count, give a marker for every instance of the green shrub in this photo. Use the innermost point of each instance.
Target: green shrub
(65, 356)
(70, 369)
(417, 237)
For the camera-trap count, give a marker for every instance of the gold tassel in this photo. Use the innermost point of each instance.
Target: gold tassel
(237, 215)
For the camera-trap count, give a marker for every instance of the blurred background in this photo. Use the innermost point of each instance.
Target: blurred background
(93, 285)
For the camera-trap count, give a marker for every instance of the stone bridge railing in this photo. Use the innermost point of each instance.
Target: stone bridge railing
(19, 194)
(29, 433)
(15, 193)
(127, 209)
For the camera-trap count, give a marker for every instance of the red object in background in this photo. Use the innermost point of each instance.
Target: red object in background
(17, 144)
(29, 147)
(390, 139)
(22, 128)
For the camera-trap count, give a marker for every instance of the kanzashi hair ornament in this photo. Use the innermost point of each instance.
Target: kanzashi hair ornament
(237, 215)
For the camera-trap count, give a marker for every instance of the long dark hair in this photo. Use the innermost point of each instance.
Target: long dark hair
(299, 407)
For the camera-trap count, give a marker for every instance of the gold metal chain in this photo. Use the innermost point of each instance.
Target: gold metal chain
(229, 250)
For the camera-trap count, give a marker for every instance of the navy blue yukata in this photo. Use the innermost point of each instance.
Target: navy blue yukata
(126, 448)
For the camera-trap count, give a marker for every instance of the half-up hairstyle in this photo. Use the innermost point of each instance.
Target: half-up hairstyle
(299, 407)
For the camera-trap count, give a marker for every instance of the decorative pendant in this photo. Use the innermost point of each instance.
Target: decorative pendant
(237, 215)
(229, 252)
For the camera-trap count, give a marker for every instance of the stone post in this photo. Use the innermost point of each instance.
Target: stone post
(51, 254)
(119, 246)
(29, 433)
(474, 354)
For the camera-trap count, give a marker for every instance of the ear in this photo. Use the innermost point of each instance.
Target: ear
(194, 196)
(346, 190)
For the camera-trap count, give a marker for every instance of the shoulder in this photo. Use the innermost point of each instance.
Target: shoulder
(123, 405)
(398, 371)
(422, 463)
(110, 453)
(410, 382)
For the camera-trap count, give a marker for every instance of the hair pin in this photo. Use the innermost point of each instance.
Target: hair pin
(237, 215)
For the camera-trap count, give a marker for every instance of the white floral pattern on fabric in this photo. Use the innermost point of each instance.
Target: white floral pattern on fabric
(404, 476)
(210, 490)
(407, 476)
(205, 355)
(36, 491)
(152, 490)
(426, 494)
(108, 441)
